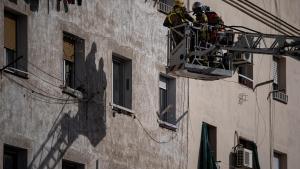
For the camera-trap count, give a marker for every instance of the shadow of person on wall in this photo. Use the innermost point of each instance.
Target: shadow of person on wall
(89, 121)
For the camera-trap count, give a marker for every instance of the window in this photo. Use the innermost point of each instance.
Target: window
(122, 81)
(246, 75)
(253, 147)
(71, 165)
(73, 55)
(14, 157)
(208, 146)
(167, 99)
(165, 6)
(15, 42)
(279, 160)
(279, 79)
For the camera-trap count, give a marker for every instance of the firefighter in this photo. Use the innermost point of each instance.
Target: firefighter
(201, 21)
(176, 17)
(215, 23)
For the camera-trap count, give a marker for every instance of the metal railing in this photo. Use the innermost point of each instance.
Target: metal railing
(164, 7)
(280, 96)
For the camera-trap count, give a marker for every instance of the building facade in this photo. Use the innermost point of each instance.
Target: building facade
(86, 87)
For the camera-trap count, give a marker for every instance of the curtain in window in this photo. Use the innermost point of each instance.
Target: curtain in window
(206, 159)
(255, 156)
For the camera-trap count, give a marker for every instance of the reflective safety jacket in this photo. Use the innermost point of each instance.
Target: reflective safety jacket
(177, 16)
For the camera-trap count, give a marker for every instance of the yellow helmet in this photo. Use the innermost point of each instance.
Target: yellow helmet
(179, 3)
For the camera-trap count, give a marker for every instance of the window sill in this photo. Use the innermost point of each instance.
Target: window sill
(167, 125)
(16, 72)
(122, 110)
(72, 92)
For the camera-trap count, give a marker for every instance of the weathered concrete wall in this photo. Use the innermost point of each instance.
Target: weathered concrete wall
(32, 120)
(217, 102)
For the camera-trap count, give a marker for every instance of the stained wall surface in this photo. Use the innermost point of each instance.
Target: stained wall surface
(36, 115)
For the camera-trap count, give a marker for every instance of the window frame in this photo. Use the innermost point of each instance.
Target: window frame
(279, 88)
(20, 156)
(168, 118)
(77, 165)
(124, 61)
(213, 139)
(69, 37)
(243, 78)
(164, 7)
(282, 157)
(19, 68)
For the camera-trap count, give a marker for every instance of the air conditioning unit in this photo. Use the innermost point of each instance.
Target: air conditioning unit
(242, 58)
(244, 158)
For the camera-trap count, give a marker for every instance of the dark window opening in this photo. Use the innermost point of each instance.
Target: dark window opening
(73, 55)
(15, 42)
(246, 75)
(14, 157)
(167, 99)
(66, 164)
(122, 81)
(279, 71)
(253, 147)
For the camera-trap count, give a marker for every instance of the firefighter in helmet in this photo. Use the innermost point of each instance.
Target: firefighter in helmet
(201, 21)
(176, 17)
(215, 23)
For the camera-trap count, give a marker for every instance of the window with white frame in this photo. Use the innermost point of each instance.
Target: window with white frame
(73, 54)
(15, 42)
(167, 99)
(122, 81)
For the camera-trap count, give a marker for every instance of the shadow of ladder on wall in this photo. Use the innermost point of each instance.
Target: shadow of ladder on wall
(49, 157)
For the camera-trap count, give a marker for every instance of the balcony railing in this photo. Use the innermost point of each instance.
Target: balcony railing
(164, 7)
(280, 96)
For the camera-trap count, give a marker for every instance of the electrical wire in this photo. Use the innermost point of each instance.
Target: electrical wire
(30, 73)
(38, 68)
(41, 94)
(152, 137)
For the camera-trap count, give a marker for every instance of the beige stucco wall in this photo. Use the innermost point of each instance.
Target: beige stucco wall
(217, 102)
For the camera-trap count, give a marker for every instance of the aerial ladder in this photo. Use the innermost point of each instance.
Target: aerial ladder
(232, 47)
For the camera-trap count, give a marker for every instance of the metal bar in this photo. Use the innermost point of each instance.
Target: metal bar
(257, 42)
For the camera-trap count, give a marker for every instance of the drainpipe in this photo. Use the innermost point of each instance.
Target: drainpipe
(270, 118)
(271, 131)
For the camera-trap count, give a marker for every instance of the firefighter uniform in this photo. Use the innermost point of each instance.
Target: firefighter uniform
(176, 17)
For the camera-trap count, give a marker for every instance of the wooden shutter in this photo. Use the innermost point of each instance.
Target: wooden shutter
(10, 33)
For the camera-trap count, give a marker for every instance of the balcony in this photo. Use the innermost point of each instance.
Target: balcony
(164, 7)
(280, 96)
